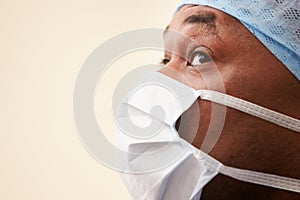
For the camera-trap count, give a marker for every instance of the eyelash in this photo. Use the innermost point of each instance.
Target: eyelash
(164, 61)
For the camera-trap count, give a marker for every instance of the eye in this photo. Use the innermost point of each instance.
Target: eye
(164, 61)
(199, 58)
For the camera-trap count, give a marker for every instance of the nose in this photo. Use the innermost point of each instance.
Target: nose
(177, 64)
(176, 69)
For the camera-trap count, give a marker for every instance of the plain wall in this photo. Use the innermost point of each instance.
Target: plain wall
(42, 47)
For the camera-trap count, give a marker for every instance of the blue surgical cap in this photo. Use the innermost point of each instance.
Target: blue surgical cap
(274, 22)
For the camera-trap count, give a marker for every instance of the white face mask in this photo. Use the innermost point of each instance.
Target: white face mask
(161, 165)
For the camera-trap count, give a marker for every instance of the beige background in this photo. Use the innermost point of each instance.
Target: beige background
(42, 46)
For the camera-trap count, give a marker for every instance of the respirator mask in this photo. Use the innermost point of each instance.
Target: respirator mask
(162, 165)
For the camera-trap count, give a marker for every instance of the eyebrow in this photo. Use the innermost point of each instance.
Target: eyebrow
(203, 18)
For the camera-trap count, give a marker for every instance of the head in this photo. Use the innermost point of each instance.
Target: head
(229, 58)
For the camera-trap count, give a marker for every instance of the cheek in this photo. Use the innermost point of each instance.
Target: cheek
(244, 65)
(196, 81)
(193, 124)
(188, 124)
(204, 122)
(185, 76)
(211, 79)
(249, 73)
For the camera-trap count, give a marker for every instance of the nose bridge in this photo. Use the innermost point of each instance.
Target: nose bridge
(176, 63)
(175, 46)
(176, 69)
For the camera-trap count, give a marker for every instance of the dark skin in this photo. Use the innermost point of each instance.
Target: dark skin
(249, 71)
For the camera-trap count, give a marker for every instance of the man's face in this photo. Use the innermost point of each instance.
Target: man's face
(227, 58)
(243, 62)
(219, 53)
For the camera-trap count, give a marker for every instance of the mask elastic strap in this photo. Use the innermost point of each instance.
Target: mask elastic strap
(251, 108)
(259, 178)
(270, 180)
